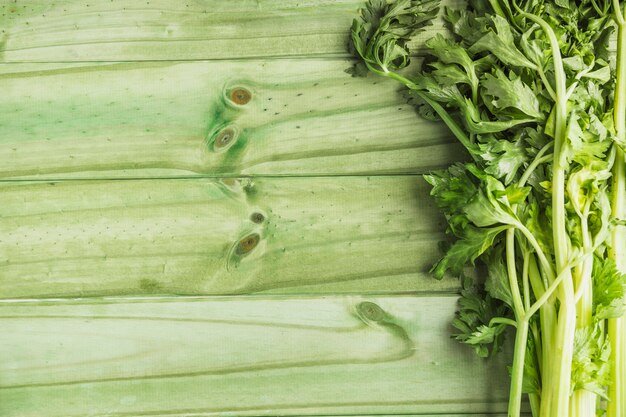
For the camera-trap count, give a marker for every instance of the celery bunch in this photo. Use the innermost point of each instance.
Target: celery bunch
(530, 90)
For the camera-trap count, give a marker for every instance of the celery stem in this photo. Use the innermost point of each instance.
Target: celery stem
(556, 385)
(517, 370)
(617, 327)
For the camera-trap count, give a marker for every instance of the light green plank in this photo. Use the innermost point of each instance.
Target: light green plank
(117, 30)
(241, 356)
(300, 117)
(352, 234)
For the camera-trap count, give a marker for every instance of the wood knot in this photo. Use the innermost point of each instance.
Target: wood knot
(257, 218)
(247, 244)
(240, 96)
(225, 138)
(371, 311)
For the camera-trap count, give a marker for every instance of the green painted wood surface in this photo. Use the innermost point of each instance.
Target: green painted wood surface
(241, 356)
(119, 30)
(312, 196)
(209, 236)
(303, 117)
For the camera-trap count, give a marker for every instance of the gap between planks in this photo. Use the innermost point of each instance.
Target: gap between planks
(35, 179)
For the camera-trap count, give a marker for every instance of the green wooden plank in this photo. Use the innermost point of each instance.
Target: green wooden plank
(204, 236)
(114, 30)
(242, 356)
(294, 117)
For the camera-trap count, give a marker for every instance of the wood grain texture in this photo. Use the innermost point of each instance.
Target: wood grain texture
(241, 356)
(203, 236)
(133, 30)
(297, 117)
(247, 91)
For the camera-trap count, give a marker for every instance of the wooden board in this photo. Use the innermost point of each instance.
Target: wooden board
(277, 117)
(266, 169)
(114, 30)
(241, 356)
(202, 236)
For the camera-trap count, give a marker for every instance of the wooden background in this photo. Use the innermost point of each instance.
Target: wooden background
(202, 213)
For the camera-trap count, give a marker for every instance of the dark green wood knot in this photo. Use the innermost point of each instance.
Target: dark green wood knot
(371, 311)
(257, 218)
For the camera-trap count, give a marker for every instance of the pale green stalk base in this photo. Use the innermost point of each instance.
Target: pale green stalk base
(534, 404)
(617, 327)
(617, 389)
(521, 336)
(557, 384)
(517, 371)
(583, 403)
